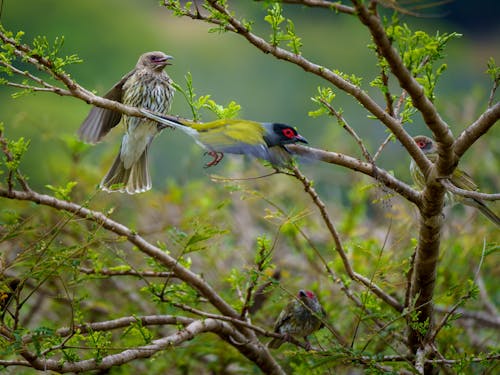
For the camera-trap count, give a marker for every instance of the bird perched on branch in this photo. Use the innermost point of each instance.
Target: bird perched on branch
(301, 317)
(146, 86)
(263, 140)
(458, 178)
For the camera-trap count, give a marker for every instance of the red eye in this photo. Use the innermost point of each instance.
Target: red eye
(421, 144)
(289, 133)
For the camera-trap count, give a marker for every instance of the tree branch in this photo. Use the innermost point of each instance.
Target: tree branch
(403, 75)
(190, 331)
(468, 193)
(369, 169)
(479, 127)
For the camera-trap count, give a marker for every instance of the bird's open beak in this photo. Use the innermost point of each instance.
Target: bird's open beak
(167, 59)
(300, 138)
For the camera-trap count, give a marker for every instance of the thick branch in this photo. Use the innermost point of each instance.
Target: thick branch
(403, 75)
(479, 127)
(195, 328)
(148, 320)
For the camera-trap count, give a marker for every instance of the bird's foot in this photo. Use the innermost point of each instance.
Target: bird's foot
(217, 157)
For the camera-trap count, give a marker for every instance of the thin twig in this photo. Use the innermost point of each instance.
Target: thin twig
(467, 193)
(391, 301)
(342, 122)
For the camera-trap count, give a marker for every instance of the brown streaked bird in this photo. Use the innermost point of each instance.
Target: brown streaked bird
(300, 317)
(459, 178)
(146, 86)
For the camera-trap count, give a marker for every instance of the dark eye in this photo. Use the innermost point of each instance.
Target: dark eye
(289, 133)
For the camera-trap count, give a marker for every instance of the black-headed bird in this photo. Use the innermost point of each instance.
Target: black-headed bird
(263, 140)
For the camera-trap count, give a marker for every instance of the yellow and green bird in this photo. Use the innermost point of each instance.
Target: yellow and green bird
(263, 140)
(459, 178)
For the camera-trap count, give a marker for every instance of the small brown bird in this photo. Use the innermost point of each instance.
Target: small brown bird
(301, 317)
(459, 178)
(146, 86)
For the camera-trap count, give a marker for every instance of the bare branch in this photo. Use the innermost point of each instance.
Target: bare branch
(346, 161)
(479, 127)
(124, 322)
(485, 298)
(468, 193)
(190, 331)
(480, 318)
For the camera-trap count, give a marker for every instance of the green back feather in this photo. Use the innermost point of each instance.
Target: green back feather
(229, 132)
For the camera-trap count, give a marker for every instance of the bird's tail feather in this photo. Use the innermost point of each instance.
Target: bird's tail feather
(135, 179)
(484, 210)
(170, 121)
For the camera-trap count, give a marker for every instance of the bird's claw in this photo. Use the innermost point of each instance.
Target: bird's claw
(217, 157)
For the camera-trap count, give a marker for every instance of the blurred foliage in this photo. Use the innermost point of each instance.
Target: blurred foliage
(227, 224)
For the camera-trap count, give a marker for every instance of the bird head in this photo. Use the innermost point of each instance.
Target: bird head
(281, 134)
(306, 295)
(155, 60)
(426, 144)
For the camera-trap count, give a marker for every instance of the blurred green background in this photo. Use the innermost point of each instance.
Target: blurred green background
(110, 35)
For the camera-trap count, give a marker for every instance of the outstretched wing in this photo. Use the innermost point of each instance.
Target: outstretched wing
(234, 137)
(100, 121)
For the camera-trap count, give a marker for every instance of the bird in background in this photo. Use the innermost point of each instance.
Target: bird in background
(301, 317)
(263, 140)
(459, 178)
(146, 86)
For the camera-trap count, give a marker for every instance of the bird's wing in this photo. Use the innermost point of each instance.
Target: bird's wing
(463, 180)
(284, 316)
(100, 121)
(234, 137)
